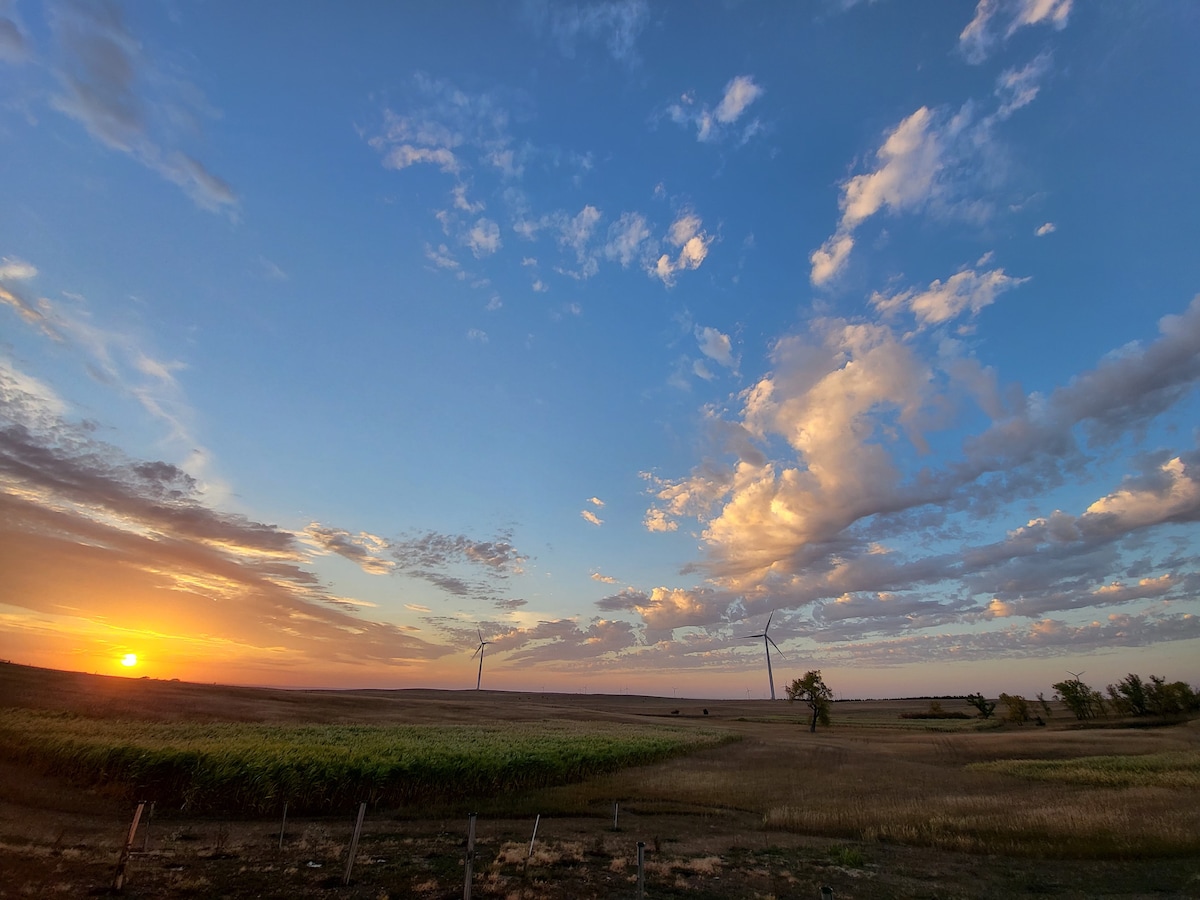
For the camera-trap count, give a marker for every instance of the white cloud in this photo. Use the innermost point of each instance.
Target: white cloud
(475, 334)
(441, 257)
(739, 93)
(603, 579)
(627, 238)
(966, 291)
(988, 27)
(1018, 87)
(714, 124)
(405, 155)
(12, 269)
(716, 346)
(591, 517)
(910, 158)
(685, 233)
(1045, 229)
(483, 238)
(595, 501)
(616, 23)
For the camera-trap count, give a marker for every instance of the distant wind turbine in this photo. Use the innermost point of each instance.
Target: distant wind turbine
(479, 652)
(768, 643)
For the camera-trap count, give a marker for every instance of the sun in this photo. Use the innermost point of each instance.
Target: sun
(129, 660)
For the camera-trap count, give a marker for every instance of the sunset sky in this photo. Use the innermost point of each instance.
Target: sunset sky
(333, 336)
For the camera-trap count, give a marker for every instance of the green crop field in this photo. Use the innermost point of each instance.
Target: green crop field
(254, 768)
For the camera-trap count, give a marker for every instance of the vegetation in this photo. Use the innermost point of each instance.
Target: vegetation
(986, 707)
(1017, 708)
(812, 690)
(252, 768)
(1131, 696)
(1178, 770)
(936, 711)
(1080, 699)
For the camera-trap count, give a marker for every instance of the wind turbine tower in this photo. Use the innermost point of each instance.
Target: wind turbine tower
(768, 643)
(479, 652)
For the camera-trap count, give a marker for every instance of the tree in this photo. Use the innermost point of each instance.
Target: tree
(1018, 708)
(812, 690)
(1080, 699)
(986, 707)
(1131, 696)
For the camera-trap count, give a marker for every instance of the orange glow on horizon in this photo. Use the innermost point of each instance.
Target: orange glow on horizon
(129, 660)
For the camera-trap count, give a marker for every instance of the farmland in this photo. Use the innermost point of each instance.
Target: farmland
(733, 799)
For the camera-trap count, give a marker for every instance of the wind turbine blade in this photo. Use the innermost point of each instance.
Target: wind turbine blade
(769, 618)
(775, 645)
(480, 633)
(478, 650)
(746, 637)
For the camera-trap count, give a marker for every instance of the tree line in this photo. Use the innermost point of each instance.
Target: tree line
(1131, 696)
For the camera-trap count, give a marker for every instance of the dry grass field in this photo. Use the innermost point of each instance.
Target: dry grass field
(875, 806)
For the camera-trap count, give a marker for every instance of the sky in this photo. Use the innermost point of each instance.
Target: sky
(338, 338)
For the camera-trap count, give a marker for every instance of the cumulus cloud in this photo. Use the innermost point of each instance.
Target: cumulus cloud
(1045, 229)
(590, 516)
(823, 524)
(686, 233)
(967, 291)
(110, 85)
(716, 346)
(628, 239)
(996, 21)
(714, 124)
(909, 161)
(484, 238)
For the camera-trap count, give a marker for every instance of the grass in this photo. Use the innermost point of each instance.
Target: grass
(1178, 769)
(255, 768)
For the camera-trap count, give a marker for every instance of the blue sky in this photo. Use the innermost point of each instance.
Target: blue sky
(333, 340)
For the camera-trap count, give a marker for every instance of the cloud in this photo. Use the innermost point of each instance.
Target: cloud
(441, 257)
(716, 346)
(457, 564)
(628, 239)
(14, 45)
(140, 536)
(714, 124)
(997, 20)
(361, 549)
(603, 579)
(617, 24)
(965, 291)
(1016, 88)
(1045, 229)
(484, 238)
(834, 521)
(112, 88)
(685, 233)
(596, 501)
(665, 609)
(477, 335)
(591, 517)
(909, 161)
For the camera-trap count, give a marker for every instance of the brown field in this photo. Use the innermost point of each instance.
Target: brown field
(874, 806)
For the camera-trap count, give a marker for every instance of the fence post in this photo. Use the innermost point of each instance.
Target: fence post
(615, 808)
(826, 892)
(362, 811)
(119, 879)
(470, 860)
(146, 830)
(641, 864)
(283, 825)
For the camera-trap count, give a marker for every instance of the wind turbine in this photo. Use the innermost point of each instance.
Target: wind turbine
(767, 645)
(479, 652)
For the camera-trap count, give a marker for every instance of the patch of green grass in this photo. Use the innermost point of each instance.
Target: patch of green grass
(1175, 769)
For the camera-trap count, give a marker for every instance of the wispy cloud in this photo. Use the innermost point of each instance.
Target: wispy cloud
(616, 24)
(687, 234)
(996, 21)
(965, 291)
(110, 85)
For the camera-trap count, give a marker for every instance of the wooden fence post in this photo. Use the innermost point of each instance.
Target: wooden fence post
(362, 811)
(119, 879)
(470, 860)
(641, 864)
(615, 809)
(283, 825)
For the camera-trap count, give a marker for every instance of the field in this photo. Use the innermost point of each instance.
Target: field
(732, 799)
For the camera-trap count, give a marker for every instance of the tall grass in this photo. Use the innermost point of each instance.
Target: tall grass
(1178, 769)
(253, 768)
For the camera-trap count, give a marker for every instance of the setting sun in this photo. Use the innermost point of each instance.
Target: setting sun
(129, 659)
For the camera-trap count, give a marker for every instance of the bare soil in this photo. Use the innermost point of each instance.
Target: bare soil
(63, 840)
